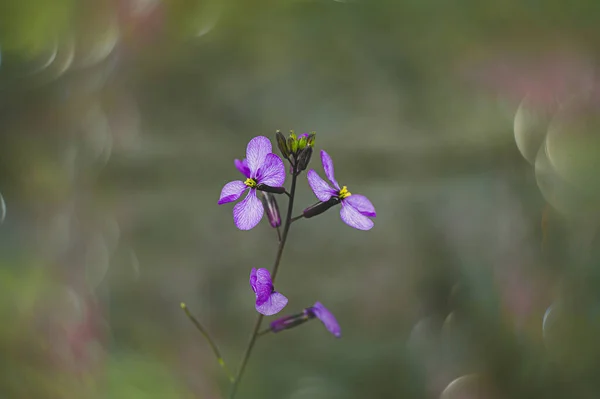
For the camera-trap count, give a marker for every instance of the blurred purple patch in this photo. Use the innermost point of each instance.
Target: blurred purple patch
(327, 318)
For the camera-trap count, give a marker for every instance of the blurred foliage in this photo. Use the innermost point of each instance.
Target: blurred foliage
(119, 121)
(27, 27)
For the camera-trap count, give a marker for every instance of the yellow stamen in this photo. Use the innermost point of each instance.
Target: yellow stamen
(344, 193)
(250, 183)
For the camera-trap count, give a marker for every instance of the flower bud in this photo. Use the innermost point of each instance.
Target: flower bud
(320, 207)
(271, 209)
(282, 144)
(285, 323)
(304, 158)
(269, 189)
(310, 140)
(302, 141)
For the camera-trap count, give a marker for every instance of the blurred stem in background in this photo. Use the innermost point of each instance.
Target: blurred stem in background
(211, 341)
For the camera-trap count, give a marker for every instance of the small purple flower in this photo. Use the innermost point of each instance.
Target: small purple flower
(356, 209)
(327, 318)
(261, 166)
(268, 301)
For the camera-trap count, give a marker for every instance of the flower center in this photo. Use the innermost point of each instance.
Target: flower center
(250, 183)
(344, 193)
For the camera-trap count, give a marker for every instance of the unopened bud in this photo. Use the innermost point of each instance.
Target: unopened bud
(269, 189)
(310, 140)
(282, 144)
(285, 323)
(304, 158)
(271, 209)
(320, 207)
(302, 141)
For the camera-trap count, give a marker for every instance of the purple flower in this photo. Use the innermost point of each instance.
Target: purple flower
(327, 318)
(356, 209)
(260, 167)
(268, 301)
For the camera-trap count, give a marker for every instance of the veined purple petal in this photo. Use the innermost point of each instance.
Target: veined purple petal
(242, 166)
(253, 279)
(328, 167)
(272, 171)
(273, 305)
(268, 301)
(353, 218)
(256, 151)
(247, 214)
(232, 191)
(361, 204)
(262, 285)
(322, 190)
(327, 318)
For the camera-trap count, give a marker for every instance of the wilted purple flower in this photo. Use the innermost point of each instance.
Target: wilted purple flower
(356, 209)
(260, 167)
(268, 301)
(327, 318)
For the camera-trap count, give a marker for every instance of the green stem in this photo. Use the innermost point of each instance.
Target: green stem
(255, 331)
(209, 339)
(264, 332)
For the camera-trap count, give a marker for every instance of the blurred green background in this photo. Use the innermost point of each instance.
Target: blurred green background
(119, 123)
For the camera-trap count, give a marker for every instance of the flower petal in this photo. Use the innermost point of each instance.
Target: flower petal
(322, 190)
(256, 151)
(327, 318)
(353, 218)
(272, 171)
(361, 204)
(242, 166)
(273, 305)
(232, 191)
(253, 279)
(247, 214)
(263, 285)
(328, 167)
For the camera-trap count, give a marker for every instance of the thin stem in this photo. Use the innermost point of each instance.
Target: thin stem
(263, 332)
(209, 339)
(278, 234)
(296, 218)
(286, 228)
(255, 331)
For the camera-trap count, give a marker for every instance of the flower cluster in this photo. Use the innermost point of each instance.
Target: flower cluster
(264, 171)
